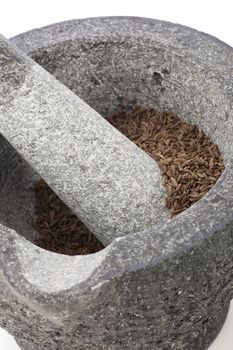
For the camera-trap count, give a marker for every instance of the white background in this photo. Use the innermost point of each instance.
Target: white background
(214, 17)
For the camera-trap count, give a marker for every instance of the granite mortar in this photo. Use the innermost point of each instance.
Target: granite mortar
(168, 287)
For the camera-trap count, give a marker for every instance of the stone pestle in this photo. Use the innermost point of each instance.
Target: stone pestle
(112, 185)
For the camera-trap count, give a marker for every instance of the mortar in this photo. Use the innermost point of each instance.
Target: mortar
(167, 287)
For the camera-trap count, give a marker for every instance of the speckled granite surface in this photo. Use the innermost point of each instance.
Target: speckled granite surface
(169, 286)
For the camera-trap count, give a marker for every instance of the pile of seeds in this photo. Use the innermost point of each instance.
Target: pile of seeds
(189, 161)
(190, 164)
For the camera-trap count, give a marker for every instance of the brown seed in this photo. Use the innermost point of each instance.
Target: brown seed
(173, 180)
(201, 175)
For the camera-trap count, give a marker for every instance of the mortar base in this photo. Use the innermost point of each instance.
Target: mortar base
(202, 342)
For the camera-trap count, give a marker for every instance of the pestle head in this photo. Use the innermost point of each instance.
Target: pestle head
(112, 185)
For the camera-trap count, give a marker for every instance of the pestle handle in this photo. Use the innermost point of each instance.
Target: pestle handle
(112, 185)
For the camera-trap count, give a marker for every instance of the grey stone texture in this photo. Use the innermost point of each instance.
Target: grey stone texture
(168, 287)
(111, 184)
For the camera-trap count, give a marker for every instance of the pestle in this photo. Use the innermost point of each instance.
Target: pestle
(112, 185)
